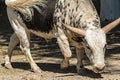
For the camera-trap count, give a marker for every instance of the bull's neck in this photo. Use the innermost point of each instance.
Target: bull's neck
(87, 22)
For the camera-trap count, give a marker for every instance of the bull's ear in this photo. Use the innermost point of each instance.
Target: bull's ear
(75, 30)
(111, 25)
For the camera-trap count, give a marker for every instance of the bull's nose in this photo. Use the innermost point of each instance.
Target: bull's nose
(100, 67)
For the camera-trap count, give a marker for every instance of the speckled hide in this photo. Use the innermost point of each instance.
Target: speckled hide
(45, 18)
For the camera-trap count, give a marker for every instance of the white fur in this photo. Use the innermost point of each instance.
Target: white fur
(23, 35)
(96, 39)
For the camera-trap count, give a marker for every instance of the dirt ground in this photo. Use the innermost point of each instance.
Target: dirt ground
(48, 57)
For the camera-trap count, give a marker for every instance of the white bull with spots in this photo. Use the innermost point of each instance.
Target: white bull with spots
(46, 19)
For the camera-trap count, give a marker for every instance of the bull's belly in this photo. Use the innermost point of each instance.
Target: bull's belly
(44, 35)
(53, 34)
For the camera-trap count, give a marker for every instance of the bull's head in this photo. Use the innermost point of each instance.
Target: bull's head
(96, 41)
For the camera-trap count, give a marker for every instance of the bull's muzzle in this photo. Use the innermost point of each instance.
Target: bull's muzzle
(98, 68)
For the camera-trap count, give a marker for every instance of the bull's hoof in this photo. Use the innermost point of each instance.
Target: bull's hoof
(37, 70)
(81, 71)
(64, 65)
(8, 66)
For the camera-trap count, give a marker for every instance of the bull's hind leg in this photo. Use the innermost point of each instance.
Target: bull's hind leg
(13, 42)
(23, 35)
(25, 47)
(64, 47)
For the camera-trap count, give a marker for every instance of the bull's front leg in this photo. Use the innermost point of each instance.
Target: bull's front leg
(80, 53)
(64, 47)
(13, 42)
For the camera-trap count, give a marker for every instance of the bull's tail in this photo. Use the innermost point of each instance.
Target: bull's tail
(26, 6)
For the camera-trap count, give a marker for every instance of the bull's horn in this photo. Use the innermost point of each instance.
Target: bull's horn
(110, 26)
(76, 30)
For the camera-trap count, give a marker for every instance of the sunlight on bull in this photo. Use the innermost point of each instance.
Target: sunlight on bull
(45, 19)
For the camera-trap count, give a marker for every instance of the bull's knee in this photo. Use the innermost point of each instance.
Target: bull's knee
(65, 48)
(65, 63)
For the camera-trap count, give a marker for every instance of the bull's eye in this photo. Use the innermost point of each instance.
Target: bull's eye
(87, 46)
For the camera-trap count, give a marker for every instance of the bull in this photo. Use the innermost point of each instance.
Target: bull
(71, 22)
